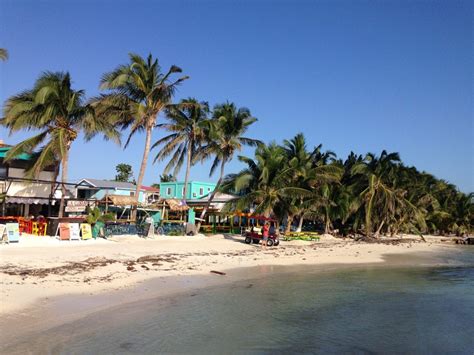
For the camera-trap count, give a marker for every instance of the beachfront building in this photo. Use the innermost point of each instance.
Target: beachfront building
(95, 189)
(195, 190)
(21, 196)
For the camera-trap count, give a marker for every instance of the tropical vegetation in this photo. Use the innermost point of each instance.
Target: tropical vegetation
(57, 113)
(187, 123)
(124, 173)
(362, 195)
(136, 93)
(366, 195)
(224, 137)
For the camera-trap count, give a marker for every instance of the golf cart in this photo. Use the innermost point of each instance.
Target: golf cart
(255, 234)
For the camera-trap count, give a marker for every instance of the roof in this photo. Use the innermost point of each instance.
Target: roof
(149, 189)
(218, 197)
(5, 149)
(177, 205)
(109, 184)
(119, 200)
(173, 204)
(207, 183)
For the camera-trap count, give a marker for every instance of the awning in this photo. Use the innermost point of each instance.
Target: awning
(29, 200)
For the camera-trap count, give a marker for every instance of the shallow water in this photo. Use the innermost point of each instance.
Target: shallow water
(368, 309)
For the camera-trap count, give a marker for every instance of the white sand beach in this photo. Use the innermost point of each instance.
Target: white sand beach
(40, 268)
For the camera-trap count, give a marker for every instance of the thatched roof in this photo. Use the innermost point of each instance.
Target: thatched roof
(172, 203)
(177, 205)
(119, 200)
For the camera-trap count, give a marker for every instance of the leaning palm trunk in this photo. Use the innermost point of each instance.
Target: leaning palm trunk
(63, 181)
(141, 175)
(211, 197)
(377, 233)
(188, 169)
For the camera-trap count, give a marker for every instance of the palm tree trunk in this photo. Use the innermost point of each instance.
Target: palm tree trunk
(368, 216)
(141, 174)
(211, 197)
(289, 221)
(327, 224)
(53, 188)
(188, 169)
(300, 224)
(377, 233)
(64, 169)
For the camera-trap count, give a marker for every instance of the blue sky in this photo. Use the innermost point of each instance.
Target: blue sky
(352, 75)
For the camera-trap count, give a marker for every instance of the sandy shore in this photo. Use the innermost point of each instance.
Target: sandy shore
(47, 283)
(38, 269)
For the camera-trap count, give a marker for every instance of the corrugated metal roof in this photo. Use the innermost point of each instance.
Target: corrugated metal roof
(109, 184)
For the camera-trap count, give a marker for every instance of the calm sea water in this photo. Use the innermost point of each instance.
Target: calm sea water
(361, 310)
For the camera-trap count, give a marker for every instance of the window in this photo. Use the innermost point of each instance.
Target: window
(182, 192)
(132, 193)
(194, 194)
(201, 191)
(168, 191)
(208, 189)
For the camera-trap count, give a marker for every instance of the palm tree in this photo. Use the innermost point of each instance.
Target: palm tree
(187, 121)
(311, 171)
(3, 54)
(137, 93)
(377, 197)
(264, 183)
(58, 111)
(224, 137)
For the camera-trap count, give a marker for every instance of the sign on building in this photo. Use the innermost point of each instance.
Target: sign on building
(78, 206)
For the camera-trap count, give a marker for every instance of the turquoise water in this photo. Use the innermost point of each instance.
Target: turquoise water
(359, 310)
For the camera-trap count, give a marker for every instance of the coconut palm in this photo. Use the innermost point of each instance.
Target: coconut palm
(58, 112)
(224, 137)
(311, 169)
(3, 54)
(264, 183)
(187, 121)
(377, 198)
(137, 93)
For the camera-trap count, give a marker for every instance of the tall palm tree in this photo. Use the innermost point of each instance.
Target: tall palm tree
(224, 137)
(137, 93)
(187, 121)
(3, 54)
(58, 111)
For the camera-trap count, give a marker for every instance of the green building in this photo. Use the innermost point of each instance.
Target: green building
(195, 189)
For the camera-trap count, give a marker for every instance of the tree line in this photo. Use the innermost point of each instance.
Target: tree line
(369, 195)
(366, 195)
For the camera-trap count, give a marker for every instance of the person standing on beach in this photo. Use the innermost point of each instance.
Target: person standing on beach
(265, 232)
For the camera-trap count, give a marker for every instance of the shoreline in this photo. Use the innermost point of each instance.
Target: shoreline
(68, 303)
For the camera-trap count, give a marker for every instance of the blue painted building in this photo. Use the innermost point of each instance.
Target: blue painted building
(94, 189)
(195, 189)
